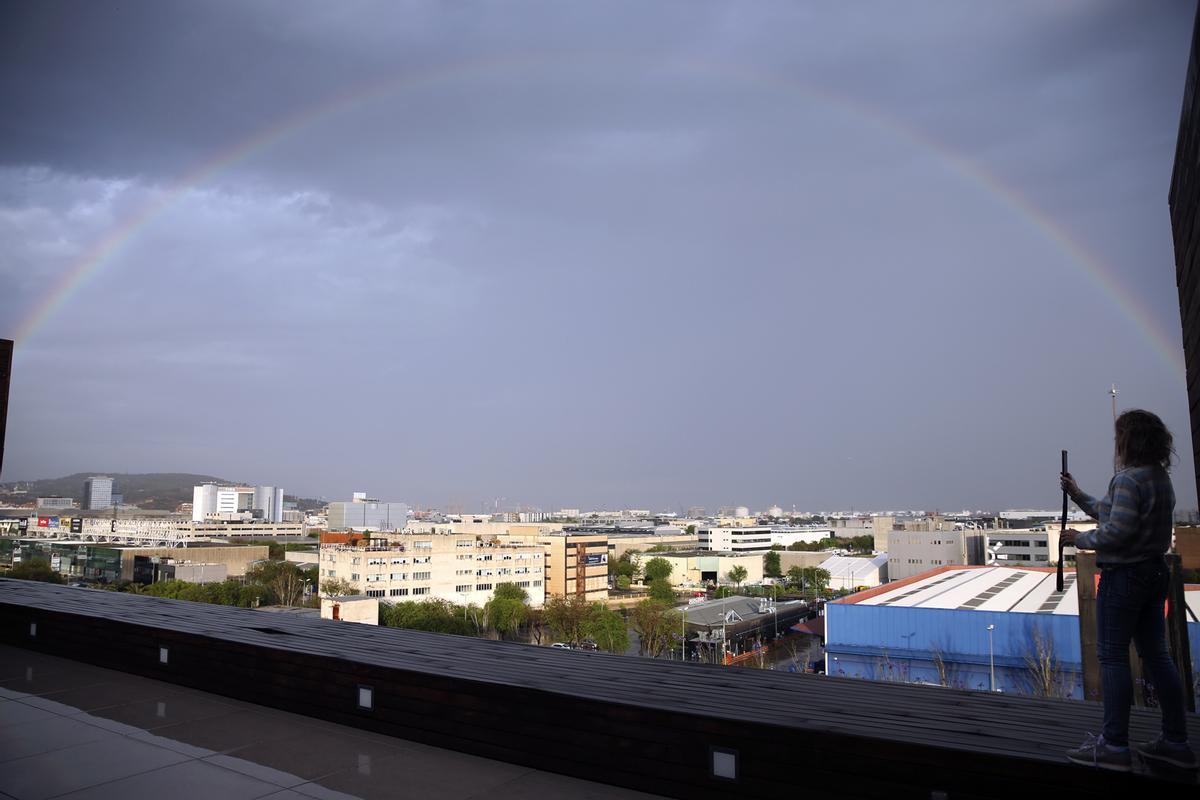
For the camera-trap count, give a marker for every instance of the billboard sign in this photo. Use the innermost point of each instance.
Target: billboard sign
(595, 559)
(43, 522)
(23, 524)
(76, 524)
(53, 522)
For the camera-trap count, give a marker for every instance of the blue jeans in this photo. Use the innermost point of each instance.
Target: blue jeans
(1130, 606)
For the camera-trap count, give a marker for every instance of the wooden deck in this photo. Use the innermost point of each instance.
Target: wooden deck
(641, 723)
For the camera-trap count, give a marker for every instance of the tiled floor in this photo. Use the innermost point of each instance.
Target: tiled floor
(70, 730)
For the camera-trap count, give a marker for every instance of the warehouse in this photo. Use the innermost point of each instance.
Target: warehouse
(968, 627)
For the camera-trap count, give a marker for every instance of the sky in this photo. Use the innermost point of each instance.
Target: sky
(824, 255)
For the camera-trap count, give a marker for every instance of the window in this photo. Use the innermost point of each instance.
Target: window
(464, 588)
(374, 578)
(483, 587)
(398, 592)
(375, 592)
(399, 576)
(353, 576)
(422, 559)
(423, 545)
(421, 590)
(421, 576)
(464, 543)
(537, 583)
(396, 561)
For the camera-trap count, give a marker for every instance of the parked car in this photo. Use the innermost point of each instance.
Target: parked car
(560, 646)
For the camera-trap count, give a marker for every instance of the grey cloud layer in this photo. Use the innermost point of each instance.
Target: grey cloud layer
(595, 253)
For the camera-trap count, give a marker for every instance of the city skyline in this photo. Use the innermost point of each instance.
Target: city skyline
(768, 253)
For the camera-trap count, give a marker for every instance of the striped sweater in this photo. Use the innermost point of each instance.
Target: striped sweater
(1135, 517)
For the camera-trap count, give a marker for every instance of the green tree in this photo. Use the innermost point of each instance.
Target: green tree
(657, 569)
(623, 583)
(690, 529)
(771, 565)
(337, 587)
(736, 574)
(567, 617)
(795, 576)
(656, 625)
(35, 569)
(438, 616)
(660, 548)
(607, 629)
(506, 612)
(660, 590)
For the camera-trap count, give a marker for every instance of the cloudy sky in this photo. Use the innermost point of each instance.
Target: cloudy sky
(829, 255)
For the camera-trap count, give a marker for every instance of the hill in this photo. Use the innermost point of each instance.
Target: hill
(152, 490)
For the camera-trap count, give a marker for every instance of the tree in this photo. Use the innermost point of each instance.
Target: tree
(660, 548)
(771, 565)
(506, 612)
(505, 615)
(607, 629)
(438, 616)
(656, 569)
(690, 529)
(795, 576)
(337, 587)
(567, 617)
(736, 574)
(656, 625)
(510, 591)
(623, 583)
(660, 590)
(35, 569)
(287, 586)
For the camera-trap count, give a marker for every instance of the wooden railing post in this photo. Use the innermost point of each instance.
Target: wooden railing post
(1085, 587)
(1177, 632)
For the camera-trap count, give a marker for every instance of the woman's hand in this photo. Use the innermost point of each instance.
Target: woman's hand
(1068, 485)
(1067, 537)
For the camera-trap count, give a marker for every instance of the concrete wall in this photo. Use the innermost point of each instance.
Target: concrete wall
(235, 558)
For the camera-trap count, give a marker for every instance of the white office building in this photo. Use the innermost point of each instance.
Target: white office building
(212, 502)
(758, 537)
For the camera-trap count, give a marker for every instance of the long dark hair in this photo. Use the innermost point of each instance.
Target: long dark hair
(1143, 440)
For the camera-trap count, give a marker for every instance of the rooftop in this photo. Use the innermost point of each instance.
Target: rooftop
(1022, 589)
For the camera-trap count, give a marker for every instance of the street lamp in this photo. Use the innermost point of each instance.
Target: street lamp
(991, 656)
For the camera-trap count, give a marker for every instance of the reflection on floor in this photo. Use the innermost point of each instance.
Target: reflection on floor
(72, 730)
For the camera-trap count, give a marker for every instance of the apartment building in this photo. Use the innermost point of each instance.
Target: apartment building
(460, 568)
(576, 563)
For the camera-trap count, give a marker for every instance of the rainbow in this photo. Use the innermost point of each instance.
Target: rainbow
(104, 252)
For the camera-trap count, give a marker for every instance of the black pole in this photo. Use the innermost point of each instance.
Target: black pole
(1063, 526)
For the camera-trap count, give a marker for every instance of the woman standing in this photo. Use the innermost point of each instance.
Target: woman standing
(1135, 521)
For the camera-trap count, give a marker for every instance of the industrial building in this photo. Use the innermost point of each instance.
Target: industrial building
(912, 552)
(967, 627)
(757, 538)
(367, 515)
(460, 568)
(723, 631)
(699, 567)
(105, 563)
(213, 503)
(850, 572)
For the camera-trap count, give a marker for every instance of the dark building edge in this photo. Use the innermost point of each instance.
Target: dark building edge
(1184, 202)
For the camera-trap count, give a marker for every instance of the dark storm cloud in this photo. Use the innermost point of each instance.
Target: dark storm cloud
(592, 253)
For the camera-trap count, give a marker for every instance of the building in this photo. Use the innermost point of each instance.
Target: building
(367, 515)
(621, 542)
(758, 537)
(97, 493)
(913, 552)
(865, 525)
(801, 559)
(213, 502)
(576, 562)
(849, 573)
(351, 608)
(727, 630)
(105, 563)
(948, 626)
(1027, 547)
(55, 502)
(1184, 200)
(459, 568)
(700, 567)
